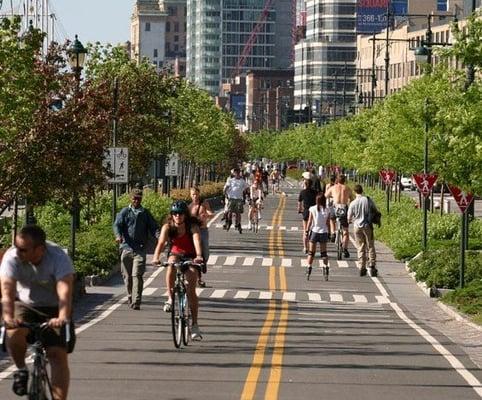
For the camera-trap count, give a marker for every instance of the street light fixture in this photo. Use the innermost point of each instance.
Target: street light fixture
(76, 58)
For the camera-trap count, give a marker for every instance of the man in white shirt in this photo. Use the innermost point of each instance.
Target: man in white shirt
(359, 213)
(234, 190)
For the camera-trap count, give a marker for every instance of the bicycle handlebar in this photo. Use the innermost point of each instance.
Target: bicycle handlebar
(36, 326)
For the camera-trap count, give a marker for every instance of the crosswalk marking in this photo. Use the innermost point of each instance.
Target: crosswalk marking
(248, 261)
(218, 294)
(267, 262)
(313, 297)
(241, 294)
(265, 295)
(359, 298)
(289, 296)
(335, 297)
(212, 260)
(282, 228)
(342, 264)
(382, 300)
(294, 228)
(230, 260)
(286, 262)
(269, 228)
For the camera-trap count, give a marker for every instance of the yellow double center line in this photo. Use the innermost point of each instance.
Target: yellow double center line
(275, 245)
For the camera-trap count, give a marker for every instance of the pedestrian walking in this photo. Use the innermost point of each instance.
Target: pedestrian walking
(360, 213)
(306, 199)
(132, 228)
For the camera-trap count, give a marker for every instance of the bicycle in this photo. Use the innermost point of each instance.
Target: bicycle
(40, 387)
(181, 320)
(255, 216)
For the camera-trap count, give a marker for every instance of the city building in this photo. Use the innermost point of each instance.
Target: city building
(175, 37)
(372, 82)
(218, 32)
(325, 59)
(148, 28)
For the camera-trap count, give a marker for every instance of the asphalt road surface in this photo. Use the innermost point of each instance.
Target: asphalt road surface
(268, 333)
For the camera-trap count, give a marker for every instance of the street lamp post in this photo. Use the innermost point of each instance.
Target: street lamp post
(76, 58)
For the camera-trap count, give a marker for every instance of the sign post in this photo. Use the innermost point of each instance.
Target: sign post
(387, 178)
(424, 184)
(463, 200)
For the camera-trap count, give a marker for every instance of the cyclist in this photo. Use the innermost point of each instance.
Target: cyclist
(202, 211)
(182, 232)
(41, 275)
(275, 177)
(342, 195)
(255, 200)
(234, 190)
(306, 199)
(317, 231)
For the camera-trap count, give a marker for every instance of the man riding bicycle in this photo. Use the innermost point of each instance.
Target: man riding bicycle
(182, 233)
(255, 201)
(234, 190)
(40, 274)
(342, 195)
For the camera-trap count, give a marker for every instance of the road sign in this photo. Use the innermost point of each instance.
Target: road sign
(462, 198)
(425, 182)
(172, 165)
(387, 176)
(116, 160)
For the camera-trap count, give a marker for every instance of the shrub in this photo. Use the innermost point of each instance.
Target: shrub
(208, 190)
(467, 300)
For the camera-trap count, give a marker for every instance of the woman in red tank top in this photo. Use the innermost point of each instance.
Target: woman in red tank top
(181, 231)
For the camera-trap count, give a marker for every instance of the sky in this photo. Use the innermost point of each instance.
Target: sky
(105, 21)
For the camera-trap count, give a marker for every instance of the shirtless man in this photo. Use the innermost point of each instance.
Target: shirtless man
(341, 195)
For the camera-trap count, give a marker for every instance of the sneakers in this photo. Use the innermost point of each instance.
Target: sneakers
(196, 333)
(168, 306)
(372, 271)
(345, 253)
(363, 271)
(20, 382)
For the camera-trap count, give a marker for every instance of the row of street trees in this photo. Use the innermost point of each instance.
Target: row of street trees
(48, 152)
(391, 134)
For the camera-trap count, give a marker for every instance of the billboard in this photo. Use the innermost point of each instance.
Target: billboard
(399, 7)
(238, 107)
(371, 16)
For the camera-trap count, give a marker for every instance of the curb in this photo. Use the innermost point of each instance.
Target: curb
(434, 293)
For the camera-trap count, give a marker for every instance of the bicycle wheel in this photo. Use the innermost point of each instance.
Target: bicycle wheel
(186, 321)
(176, 320)
(37, 389)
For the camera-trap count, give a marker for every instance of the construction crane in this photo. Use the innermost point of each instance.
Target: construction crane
(252, 38)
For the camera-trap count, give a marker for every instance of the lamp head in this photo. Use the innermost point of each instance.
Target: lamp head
(77, 53)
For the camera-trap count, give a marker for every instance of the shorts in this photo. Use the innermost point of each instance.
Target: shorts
(316, 237)
(340, 211)
(42, 314)
(236, 206)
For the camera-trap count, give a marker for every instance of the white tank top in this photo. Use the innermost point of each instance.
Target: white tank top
(320, 218)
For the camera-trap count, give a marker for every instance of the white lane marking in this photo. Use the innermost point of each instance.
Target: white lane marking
(265, 295)
(269, 228)
(315, 297)
(335, 297)
(442, 350)
(380, 287)
(218, 225)
(286, 262)
(230, 260)
(267, 262)
(149, 291)
(199, 291)
(282, 228)
(294, 228)
(242, 294)
(248, 261)
(360, 298)
(289, 296)
(215, 218)
(382, 299)
(342, 264)
(212, 260)
(218, 294)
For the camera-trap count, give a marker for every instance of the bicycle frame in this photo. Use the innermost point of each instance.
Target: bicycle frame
(339, 239)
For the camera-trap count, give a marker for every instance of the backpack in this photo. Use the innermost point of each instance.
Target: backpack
(374, 216)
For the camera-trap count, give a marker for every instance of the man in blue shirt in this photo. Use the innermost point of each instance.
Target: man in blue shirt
(132, 227)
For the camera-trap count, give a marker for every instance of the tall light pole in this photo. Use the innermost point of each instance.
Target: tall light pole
(76, 57)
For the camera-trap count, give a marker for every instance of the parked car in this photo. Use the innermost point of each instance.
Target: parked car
(406, 183)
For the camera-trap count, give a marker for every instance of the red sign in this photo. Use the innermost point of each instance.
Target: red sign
(462, 198)
(387, 176)
(425, 182)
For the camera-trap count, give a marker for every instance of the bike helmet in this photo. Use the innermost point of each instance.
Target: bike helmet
(179, 207)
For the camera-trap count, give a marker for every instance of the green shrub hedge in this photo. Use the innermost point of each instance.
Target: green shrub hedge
(208, 190)
(468, 300)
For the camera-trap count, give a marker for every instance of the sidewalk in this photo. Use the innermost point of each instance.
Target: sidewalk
(425, 309)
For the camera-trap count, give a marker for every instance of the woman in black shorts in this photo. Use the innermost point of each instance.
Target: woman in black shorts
(306, 199)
